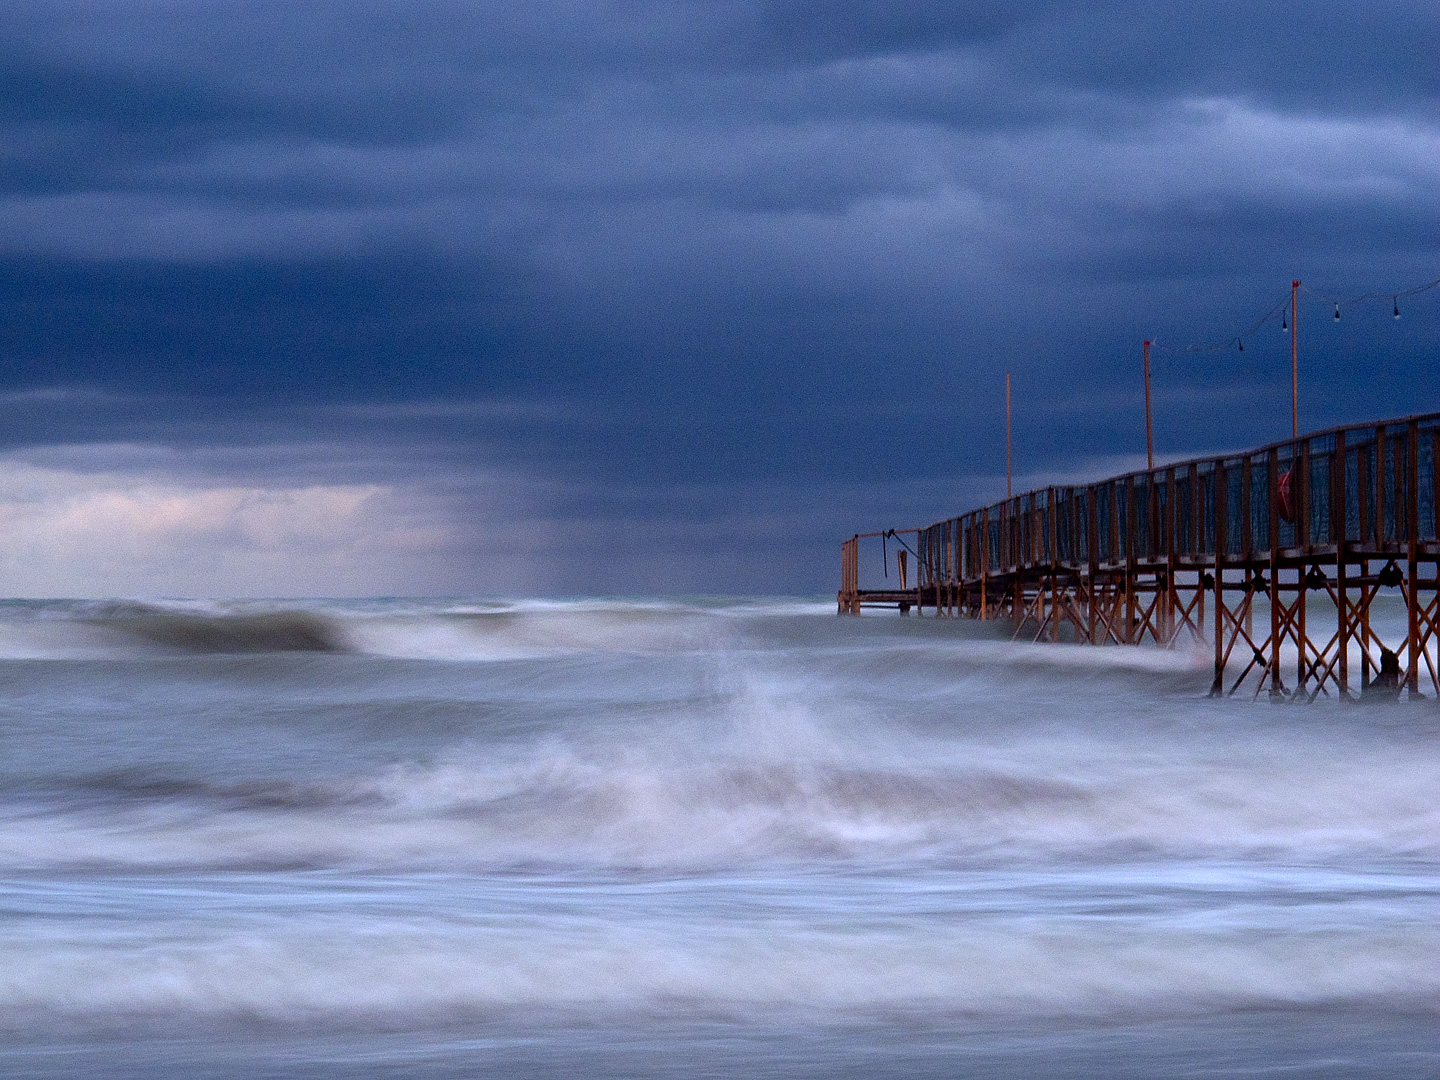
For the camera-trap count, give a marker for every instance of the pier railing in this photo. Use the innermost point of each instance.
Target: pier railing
(1373, 485)
(1134, 556)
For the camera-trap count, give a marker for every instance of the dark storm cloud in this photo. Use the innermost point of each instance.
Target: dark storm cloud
(646, 258)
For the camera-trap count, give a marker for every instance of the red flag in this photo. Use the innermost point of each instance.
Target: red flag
(1287, 500)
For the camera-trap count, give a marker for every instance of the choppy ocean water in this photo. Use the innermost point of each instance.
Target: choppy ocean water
(717, 838)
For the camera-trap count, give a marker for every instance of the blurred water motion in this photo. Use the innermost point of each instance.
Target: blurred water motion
(417, 838)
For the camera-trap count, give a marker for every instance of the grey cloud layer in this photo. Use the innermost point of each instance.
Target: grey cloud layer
(97, 94)
(666, 245)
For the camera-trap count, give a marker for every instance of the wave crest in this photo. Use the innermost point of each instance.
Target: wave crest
(259, 632)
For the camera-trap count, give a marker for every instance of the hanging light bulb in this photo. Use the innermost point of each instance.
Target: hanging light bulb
(1337, 312)
(1396, 302)
(1284, 326)
(1242, 346)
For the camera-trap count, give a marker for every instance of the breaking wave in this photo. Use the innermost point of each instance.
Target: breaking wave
(755, 774)
(424, 631)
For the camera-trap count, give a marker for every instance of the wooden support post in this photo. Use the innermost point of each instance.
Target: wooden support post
(1054, 605)
(1052, 538)
(1128, 634)
(1272, 467)
(849, 577)
(1277, 684)
(1222, 524)
(1195, 543)
(1339, 535)
(1172, 594)
(1300, 500)
(1248, 546)
(1377, 544)
(1342, 612)
(1131, 569)
(984, 561)
(1412, 565)
(1092, 525)
(957, 564)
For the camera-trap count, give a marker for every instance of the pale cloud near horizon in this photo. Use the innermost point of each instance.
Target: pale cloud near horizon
(73, 531)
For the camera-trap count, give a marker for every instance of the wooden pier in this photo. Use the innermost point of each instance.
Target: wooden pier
(1280, 558)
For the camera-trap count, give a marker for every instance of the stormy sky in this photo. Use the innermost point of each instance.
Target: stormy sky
(431, 297)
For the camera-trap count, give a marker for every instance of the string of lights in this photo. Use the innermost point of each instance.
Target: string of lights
(1280, 310)
(1287, 321)
(1238, 340)
(1363, 297)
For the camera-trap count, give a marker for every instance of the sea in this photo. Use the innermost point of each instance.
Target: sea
(705, 837)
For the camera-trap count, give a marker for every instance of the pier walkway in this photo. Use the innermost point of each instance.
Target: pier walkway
(1279, 557)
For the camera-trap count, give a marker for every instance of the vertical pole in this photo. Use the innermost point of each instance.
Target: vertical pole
(1172, 517)
(957, 567)
(848, 577)
(1008, 491)
(1342, 605)
(984, 560)
(1300, 494)
(963, 565)
(1412, 565)
(855, 576)
(1054, 535)
(1370, 528)
(1219, 488)
(1197, 536)
(1130, 579)
(1132, 575)
(1246, 511)
(952, 561)
(1092, 525)
(1435, 490)
(1149, 431)
(1377, 543)
(1294, 365)
(1272, 485)
(1337, 526)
